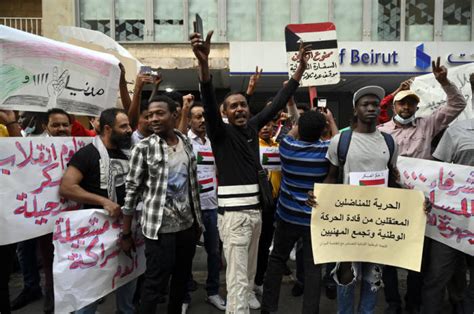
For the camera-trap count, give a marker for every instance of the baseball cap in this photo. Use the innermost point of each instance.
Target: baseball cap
(405, 93)
(368, 90)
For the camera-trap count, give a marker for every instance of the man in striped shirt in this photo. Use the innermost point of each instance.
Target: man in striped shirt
(303, 163)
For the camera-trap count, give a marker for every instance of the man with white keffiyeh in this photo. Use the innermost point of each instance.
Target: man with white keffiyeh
(95, 177)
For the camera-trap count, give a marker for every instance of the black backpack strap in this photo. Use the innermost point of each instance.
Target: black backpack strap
(391, 146)
(342, 149)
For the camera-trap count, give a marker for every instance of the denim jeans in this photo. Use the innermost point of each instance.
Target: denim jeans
(26, 252)
(370, 275)
(211, 244)
(123, 300)
(286, 235)
(264, 243)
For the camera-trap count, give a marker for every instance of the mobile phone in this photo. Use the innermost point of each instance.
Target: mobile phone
(322, 102)
(198, 28)
(145, 69)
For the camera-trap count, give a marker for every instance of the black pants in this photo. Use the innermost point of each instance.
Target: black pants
(170, 255)
(286, 235)
(444, 263)
(264, 244)
(414, 283)
(7, 253)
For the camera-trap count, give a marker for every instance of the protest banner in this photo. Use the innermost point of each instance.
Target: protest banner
(323, 64)
(450, 189)
(30, 173)
(98, 41)
(38, 74)
(368, 224)
(88, 261)
(432, 95)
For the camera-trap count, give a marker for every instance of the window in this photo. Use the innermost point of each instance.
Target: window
(348, 19)
(314, 11)
(207, 10)
(419, 20)
(95, 15)
(129, 20)
(275, 16)
(386, 20)
(168, 21)
(242, 20)
(457, 19)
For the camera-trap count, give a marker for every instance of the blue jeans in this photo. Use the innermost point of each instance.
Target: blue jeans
(211, 244)
(26, 252)
(123, 300)
(370, 275)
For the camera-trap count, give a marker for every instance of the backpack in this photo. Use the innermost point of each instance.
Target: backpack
(343, 148)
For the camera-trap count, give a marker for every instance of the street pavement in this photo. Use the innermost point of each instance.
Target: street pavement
(288, 303)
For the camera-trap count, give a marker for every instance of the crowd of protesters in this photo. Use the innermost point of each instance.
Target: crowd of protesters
(157, 142)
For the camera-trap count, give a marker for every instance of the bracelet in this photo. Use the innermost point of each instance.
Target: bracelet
(10, 123)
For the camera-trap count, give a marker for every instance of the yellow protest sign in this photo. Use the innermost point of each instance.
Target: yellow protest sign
(368, 224)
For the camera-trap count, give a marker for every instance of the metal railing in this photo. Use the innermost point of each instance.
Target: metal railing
(26, 24)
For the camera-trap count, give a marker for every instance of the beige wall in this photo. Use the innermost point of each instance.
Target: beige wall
(57, 13)
(23, 8)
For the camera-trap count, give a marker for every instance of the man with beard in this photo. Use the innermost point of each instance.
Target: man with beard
(235, 147)
(95, 177)
(163, 174)
(414, 136)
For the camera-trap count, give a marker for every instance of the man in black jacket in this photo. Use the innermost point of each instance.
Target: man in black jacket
(235, 148)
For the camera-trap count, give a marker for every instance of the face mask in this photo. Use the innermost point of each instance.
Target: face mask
(31, 127)
(404, 121)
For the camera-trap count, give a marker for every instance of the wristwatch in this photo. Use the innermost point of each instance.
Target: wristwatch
(126, 236)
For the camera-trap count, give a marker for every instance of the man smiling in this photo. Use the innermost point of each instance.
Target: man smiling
(235, 148)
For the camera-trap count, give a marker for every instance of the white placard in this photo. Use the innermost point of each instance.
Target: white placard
(270, 158)
(38, 74)
(450, 188)
(87, 250)
(370, 178)
(31, 169)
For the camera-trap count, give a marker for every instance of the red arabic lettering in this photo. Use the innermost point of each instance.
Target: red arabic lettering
(79, 263)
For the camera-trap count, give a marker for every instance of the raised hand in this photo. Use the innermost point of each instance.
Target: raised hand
(440, 72)
(254, 80)
(188, 101)
(201, 48)
(304, 54)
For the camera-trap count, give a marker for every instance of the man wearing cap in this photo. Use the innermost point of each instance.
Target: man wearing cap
(413, 136)
(368, 151)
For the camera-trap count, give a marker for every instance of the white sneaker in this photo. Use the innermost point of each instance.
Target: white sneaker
(258, 290)
(293, 254)
(254, 304)
(184, 308)
(217, 301)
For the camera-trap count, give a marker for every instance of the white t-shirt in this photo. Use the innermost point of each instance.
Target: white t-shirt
(367, 152)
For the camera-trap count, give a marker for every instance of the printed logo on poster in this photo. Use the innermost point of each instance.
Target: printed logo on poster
(323, 64)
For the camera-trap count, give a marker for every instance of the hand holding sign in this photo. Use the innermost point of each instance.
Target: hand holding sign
(304, 54)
